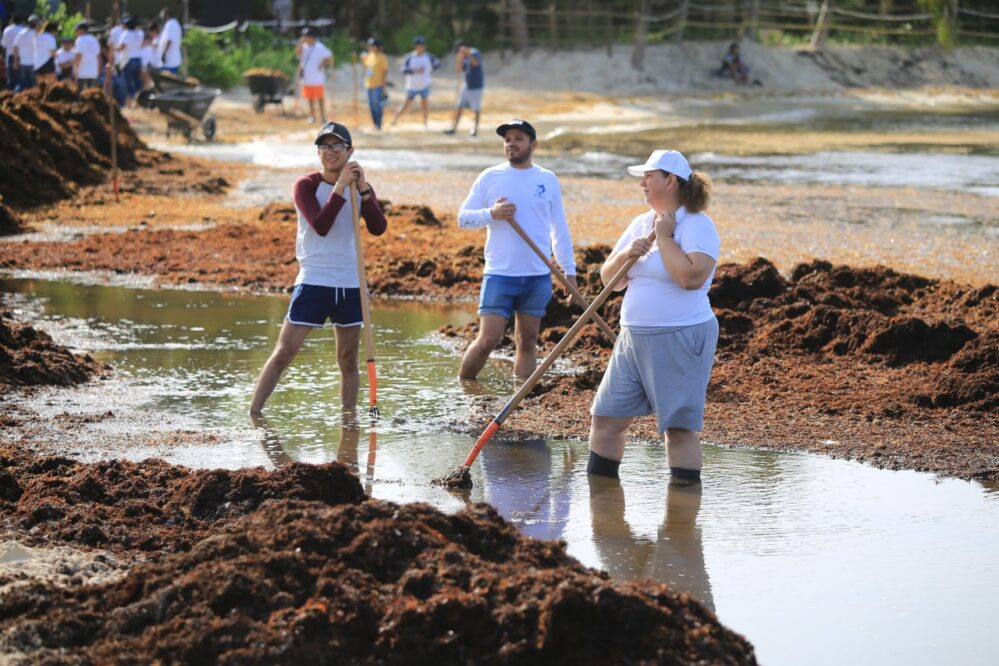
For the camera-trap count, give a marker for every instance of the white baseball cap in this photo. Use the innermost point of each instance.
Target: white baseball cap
(669, 161)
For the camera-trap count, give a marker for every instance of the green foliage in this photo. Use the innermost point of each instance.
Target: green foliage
(943, 20)
(61, 16)
(219, 59)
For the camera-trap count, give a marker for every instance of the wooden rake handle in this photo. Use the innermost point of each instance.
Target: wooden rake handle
(551, 358)
(560, 276)
(362, 282)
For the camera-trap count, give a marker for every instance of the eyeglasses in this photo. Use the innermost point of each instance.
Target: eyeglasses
(332, 147)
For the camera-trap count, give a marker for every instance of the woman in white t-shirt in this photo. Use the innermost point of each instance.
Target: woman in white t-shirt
(662, 359)
(130, 46)
(46, 46)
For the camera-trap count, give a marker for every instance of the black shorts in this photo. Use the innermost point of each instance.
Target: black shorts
(47, 68)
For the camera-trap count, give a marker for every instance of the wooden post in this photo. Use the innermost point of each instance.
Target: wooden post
(86, 12)
(353, 76)
(114, 133)
(186, 14)
(821, 26)
(753, 20)
(641, 29)
(682, 21)
(552, 26)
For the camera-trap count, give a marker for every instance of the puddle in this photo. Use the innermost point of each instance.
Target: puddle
(815, 560)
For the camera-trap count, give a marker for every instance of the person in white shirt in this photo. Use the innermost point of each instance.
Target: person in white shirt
(418, 68)
(46, 46)
(10, 34)
(86, 63)
(170, 42)
(313, 59)
(663, 357)
(24, 54)
(516, 281)
(64, 60)
(114, 37)
(130, 45)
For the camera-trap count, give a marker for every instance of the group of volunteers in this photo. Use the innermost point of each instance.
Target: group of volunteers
(417, 67)
(664, 353)
(34, 52)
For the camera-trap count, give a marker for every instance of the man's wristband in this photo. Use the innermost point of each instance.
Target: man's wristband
(365, 192)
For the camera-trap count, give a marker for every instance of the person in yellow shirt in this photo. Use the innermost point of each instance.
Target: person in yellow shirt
(375, 77)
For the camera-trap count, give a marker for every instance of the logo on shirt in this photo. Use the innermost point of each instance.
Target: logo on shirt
(541, 191)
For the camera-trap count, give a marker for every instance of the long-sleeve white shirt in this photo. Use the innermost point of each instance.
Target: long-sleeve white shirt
(538, 197)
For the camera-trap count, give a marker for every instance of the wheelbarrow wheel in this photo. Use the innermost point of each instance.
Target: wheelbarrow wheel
(258, 104)
(209, 127)
(142, 99)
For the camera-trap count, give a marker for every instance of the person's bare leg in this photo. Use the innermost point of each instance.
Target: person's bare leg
(321, 103)
(457, 117)
(402, 110)
(491, 328)
(289, 342)
(607, 436)
(683, 449)
(425, 105)
(475, 129)
(525, 333)
(347, 343)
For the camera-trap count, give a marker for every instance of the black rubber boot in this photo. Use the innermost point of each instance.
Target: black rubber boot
(684, 477)
(602, 466)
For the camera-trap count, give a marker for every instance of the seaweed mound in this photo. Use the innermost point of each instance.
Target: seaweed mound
(376, 582)
(54, 139)
(29, 357)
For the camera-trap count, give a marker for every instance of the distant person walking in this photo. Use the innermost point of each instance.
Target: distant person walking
(663, 356)
(418, 68)
(170, 42)
(130, 46)
(313, 58)
(327, 285)
(470, 97)
(87, 58)
(10, 34)
(24, 54)
(516, 281)
(375, 79)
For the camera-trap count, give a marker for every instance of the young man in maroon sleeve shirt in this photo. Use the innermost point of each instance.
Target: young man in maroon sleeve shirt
(327, 285)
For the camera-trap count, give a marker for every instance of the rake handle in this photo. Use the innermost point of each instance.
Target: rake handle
(362, 282)
(551, 358)
(560, 276)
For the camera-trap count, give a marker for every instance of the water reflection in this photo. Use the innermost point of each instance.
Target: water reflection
(676, 556)
(528, 485)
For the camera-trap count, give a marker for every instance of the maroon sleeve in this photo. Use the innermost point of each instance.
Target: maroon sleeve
(373, 215)
(320, 218)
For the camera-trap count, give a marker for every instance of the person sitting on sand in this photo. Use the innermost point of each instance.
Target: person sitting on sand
(663, 356)
(516, 281)
(733, 66)
(327, 282)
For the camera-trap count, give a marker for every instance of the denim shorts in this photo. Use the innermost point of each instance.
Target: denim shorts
(425, 93)
(662, 371)
(311, 305)
(504, 294)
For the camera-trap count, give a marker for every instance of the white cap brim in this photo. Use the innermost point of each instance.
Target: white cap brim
(639, 170)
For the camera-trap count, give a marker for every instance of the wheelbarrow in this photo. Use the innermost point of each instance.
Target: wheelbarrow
(163, 82)
(267, 89)
(185, 110)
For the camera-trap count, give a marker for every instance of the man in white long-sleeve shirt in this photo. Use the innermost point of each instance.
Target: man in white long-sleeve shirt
(516, 280)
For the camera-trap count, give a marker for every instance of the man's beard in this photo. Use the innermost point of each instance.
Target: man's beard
(519, 158)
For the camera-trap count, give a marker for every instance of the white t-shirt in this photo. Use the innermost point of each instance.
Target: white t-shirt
(114, 38)
(420, 66)
(151, 57)
(132, 41)
(538, 197)
(25, 45)
(45, 47)
(64, 56)
(89, 50)
(10, 33)
(652, 298)
(172, 35)
(311, 61)
(330, 260)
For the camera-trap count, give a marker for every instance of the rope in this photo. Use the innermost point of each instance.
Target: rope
(973, 12)
(878, 17)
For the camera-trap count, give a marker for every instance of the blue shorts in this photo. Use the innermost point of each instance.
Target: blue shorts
(311, 305)
(425, 93)
(503, 295)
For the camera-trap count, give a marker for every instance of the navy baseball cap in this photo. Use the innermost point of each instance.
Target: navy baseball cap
(419, 40)
(308, 32)
(334, 129)
(522, 125)
(374, 41)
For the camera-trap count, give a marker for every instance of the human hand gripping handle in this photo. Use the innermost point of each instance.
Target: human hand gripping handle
(503, 209)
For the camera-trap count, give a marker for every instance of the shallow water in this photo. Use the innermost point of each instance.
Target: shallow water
(815, 560)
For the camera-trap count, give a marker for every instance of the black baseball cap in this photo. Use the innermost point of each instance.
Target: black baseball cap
(374, 41)
(308, 32)
(334, 129)
(522, 125)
